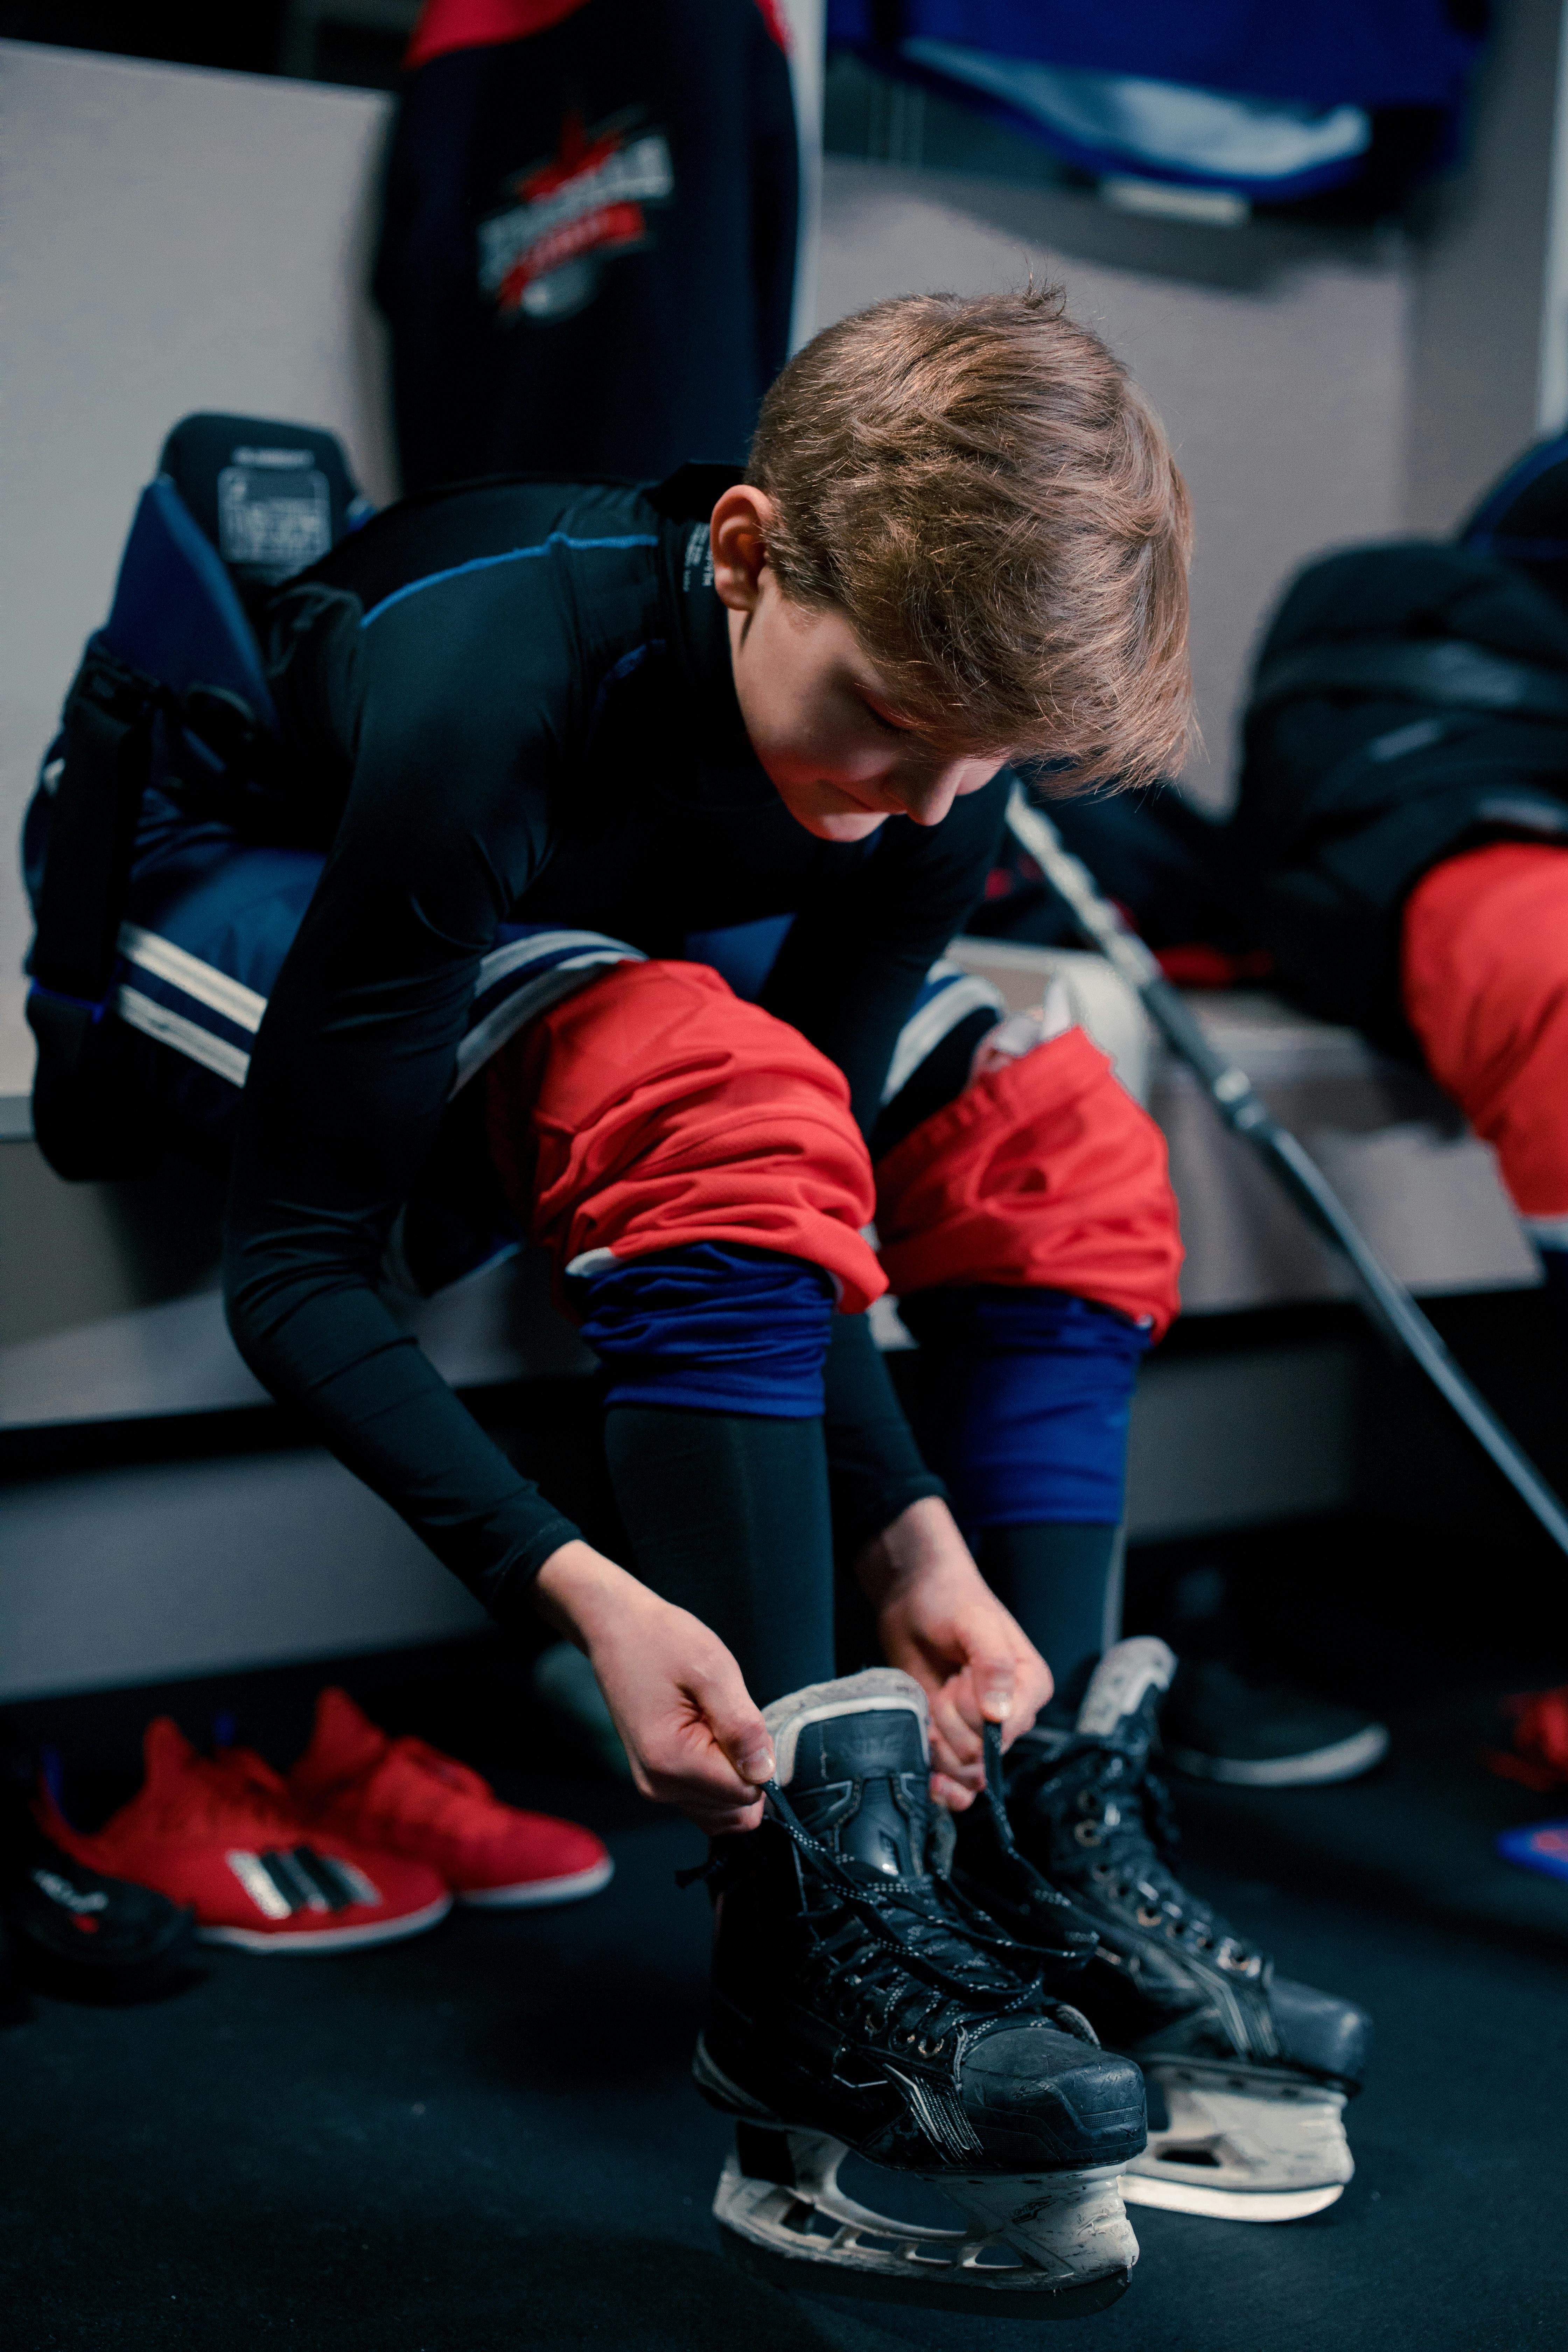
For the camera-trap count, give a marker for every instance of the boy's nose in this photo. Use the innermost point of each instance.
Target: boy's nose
(928, 799)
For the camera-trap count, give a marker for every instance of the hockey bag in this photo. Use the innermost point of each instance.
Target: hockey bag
(168, 744)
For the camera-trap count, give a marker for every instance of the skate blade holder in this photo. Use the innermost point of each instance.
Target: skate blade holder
(1241, 2146)
(1048, 2245)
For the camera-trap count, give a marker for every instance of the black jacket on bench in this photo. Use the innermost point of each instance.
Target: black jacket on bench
(1352, 791)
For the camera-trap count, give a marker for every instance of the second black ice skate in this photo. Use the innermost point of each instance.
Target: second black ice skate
(860, 2003)
(1248, 2073)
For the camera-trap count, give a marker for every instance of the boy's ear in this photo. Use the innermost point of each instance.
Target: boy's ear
(738, 530)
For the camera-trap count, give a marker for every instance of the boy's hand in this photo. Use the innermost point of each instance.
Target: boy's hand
(692, 1735)
(940, 1622)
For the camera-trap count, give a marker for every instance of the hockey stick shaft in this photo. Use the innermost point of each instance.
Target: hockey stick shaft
(1243, 1111)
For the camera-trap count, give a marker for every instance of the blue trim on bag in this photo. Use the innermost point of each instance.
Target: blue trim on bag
(488, 563)
(176, 613)
(97, 1006)
(1478, 532)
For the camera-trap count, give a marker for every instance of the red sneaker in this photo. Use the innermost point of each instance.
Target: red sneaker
(224, 1838)
(357, 1782)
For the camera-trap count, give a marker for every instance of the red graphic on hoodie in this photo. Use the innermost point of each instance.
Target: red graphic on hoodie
(542, 257)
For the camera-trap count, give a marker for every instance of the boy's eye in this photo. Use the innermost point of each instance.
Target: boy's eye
(888, 726)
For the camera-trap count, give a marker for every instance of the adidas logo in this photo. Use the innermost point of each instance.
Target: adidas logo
(281, 1884)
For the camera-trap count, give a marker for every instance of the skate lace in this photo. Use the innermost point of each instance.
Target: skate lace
(933, 1958)
(1121, 1818)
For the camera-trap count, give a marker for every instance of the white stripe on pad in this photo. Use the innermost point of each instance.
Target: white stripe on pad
(209, 986)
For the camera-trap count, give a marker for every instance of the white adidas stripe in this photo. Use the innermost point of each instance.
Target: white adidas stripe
(488, 1036)
(197, 1045)
(502, 961)
(924, 1031)
(207, 985)
(200, 981)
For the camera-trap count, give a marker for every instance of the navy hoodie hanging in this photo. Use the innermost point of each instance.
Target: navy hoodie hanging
(588, 252)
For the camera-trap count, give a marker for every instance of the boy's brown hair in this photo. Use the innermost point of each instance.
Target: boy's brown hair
(982, 488)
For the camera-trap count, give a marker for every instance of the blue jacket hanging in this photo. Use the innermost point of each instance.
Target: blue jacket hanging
(1273, 104)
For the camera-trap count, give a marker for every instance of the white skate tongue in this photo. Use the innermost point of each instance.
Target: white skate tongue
(1120, 1683)
(874, 1692)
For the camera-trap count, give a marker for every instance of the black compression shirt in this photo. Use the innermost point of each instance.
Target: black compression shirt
(514, 703)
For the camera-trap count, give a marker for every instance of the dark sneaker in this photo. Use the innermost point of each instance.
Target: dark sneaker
(1216, 1725)
(79, 1936)
(1248, 2073)
(860, 2003)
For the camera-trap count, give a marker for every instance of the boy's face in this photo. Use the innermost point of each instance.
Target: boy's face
(819, 719)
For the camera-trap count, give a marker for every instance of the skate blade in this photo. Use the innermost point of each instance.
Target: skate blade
(807, 2235)
(1242, 2150)
(1228, 2204)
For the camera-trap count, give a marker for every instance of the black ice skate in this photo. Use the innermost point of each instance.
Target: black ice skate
(858, 2003)
(1247, 2074)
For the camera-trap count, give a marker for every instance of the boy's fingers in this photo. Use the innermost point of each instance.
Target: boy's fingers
(726, 1822)
(707, 1787)
(951, 1724)
(967, 1768)
(1035, 1686)
(995, 1682)
(736, 1723)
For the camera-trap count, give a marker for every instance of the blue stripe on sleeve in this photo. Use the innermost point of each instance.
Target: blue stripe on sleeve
(511, 555)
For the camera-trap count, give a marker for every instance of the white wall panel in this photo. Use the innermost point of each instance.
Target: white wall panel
(139, 1575)
(171, 240)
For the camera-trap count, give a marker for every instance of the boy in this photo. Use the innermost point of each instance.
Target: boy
(655, 715)
(961, 541)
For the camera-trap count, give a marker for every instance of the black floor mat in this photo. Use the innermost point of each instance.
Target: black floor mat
(486, 2138)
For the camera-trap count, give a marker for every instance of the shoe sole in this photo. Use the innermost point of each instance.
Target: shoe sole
(306, 1942)
(1347, 1759)
(535, 1894)
(1230, 2204)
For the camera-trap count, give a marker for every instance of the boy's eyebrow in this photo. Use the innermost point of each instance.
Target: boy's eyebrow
(880, 700)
